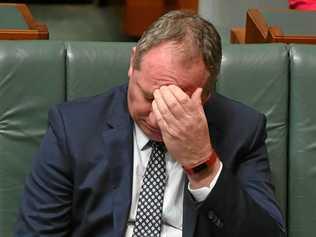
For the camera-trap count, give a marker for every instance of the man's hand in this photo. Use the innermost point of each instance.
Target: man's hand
(183, 124)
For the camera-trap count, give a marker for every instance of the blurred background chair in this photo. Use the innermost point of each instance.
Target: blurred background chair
(276, 26)
(17, 23)
(226, 14)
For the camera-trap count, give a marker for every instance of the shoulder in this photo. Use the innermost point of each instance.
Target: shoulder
(99, 103)
(234, 118)
(91, 113)
(225, 109)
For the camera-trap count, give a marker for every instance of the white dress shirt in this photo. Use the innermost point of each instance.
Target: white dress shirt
(173, 197)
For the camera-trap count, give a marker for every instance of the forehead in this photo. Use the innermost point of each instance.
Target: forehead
(167, 64)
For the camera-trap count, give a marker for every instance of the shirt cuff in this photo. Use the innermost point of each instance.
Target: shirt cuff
(200, 194)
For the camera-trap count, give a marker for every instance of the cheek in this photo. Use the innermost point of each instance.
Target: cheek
(143, 108)
(138, 105)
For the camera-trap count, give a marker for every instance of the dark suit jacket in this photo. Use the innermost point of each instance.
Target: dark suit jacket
(81, 180)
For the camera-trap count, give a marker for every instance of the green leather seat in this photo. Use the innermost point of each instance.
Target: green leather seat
(302, 145)
(94, 67)
(31, 81)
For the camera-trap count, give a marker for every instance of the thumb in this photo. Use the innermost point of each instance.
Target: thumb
(196, 96)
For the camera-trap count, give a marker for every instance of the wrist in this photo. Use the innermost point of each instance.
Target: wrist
(205, 177)
(202, 165)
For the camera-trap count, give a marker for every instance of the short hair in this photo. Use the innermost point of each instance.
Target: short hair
(183, 27)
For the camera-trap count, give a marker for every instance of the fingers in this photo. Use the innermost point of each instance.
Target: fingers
(185, 103)
(166, 96)
(182, 98)
(160, 120)
(188, 104)
(169, 113)
(197, 99)
(175, 108)
(196, 96)
(163, 102)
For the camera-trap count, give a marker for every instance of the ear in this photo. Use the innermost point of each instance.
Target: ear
(131, 62)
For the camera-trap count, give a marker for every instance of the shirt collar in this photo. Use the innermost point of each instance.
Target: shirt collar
(141, 139)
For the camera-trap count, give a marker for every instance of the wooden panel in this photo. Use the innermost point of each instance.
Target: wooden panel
(35, 29)
(256, 27)
(276, 36)
(238, 35)
(273, 33)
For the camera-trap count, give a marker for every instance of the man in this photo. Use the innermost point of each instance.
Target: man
(165, 156)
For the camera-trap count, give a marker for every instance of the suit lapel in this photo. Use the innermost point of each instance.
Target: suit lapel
(118, 145)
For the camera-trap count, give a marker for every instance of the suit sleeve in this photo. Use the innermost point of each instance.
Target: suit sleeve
(242, 203)
(46, 203)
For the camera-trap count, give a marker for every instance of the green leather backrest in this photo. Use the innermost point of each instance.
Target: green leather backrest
(302, 145)
(257, 75)
(31, 81)
(94, 67)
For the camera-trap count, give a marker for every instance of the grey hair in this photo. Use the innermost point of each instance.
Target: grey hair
(188, 29)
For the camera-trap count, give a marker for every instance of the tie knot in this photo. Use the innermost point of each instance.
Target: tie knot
(158, 145)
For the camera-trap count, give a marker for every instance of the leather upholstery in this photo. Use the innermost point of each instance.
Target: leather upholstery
(302, 143)
(93, 67)
(31, 81)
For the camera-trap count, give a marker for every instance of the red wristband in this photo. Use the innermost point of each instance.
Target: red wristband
(202, 165)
